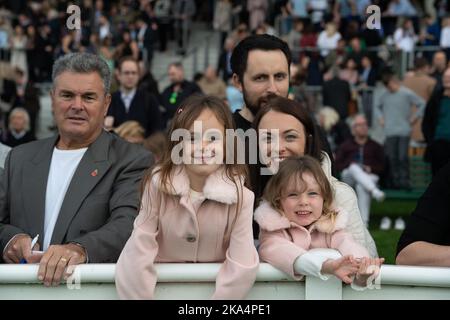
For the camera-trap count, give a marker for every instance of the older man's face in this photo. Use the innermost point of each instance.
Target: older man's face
(79, 104)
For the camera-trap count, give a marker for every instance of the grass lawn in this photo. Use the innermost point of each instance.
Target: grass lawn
(386, 241)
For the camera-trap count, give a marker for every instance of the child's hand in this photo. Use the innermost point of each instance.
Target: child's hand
(367, 267)
(343, 268)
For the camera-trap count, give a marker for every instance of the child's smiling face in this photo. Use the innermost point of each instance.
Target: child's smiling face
(205, 149)
(302, 202)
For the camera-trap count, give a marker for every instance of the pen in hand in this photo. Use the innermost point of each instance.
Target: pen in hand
(33, 243)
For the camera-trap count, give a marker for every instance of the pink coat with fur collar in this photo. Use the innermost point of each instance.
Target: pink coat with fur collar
(282, 242)
(168, 229)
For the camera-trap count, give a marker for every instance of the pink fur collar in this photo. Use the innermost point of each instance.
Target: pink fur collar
(218, 186)
(270, 219)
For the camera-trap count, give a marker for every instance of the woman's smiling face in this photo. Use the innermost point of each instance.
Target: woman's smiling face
(281, 136)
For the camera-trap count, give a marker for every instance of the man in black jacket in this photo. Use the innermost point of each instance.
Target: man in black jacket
(130, 103)
(179, 90)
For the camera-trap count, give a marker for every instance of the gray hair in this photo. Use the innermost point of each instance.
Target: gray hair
(83, 63)
(22, 111)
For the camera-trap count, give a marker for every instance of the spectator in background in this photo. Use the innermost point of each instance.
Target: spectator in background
(317, 9)
(106, 51)
(294, 37)
(131, 103)
(367, 78)
(224, 66)
(27, 96)
(349, 72)
(211, 84)
(131, 131)
(361, 162)
(183, 11)
(328, 39)
(431, 32)
(177, 91)
(146, 80)
(401, 8)
(127, 47)
(436, 125)
(335, 129)
(18, 128)
(438, 67)
(257, 10)
(393, 112)
(162, 10)
(223, 18)
(355, 51)
(18, 49)
(423, 85)
(146, 38)
(337, 94)
(405, 37)
(445, 37)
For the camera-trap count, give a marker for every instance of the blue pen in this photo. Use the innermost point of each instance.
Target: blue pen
(33, 242)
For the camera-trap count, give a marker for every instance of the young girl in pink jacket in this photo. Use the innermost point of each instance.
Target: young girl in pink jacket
(194, 208)
(297, 215)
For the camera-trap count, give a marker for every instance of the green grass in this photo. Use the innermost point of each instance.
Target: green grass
(386, 241)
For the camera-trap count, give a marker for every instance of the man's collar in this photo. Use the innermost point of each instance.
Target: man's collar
(247, 114)
(129, 94)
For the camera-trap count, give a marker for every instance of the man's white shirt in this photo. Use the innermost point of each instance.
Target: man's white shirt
(62, 168)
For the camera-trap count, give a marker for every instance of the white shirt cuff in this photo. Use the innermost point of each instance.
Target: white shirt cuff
(310, 263)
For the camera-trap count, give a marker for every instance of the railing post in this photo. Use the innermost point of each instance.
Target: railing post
(318, 289)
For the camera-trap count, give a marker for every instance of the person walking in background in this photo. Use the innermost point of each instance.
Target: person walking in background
(394, 114)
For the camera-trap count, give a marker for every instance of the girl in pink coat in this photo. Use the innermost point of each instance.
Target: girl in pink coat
(194, 208)
(297, 216)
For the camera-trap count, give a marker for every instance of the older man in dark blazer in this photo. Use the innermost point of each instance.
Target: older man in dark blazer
(78, 190)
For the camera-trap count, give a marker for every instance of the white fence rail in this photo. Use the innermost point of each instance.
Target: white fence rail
(196, 281)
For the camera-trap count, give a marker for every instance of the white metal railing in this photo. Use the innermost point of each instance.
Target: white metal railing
(196, 281)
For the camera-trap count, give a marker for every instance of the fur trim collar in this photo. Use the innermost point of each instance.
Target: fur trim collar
(270, 219)
(218, 186)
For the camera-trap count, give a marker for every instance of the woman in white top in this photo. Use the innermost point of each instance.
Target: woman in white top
(328, 39)
(404, 37)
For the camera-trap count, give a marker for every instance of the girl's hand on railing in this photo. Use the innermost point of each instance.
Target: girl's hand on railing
(368, 267)
(343, 268)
